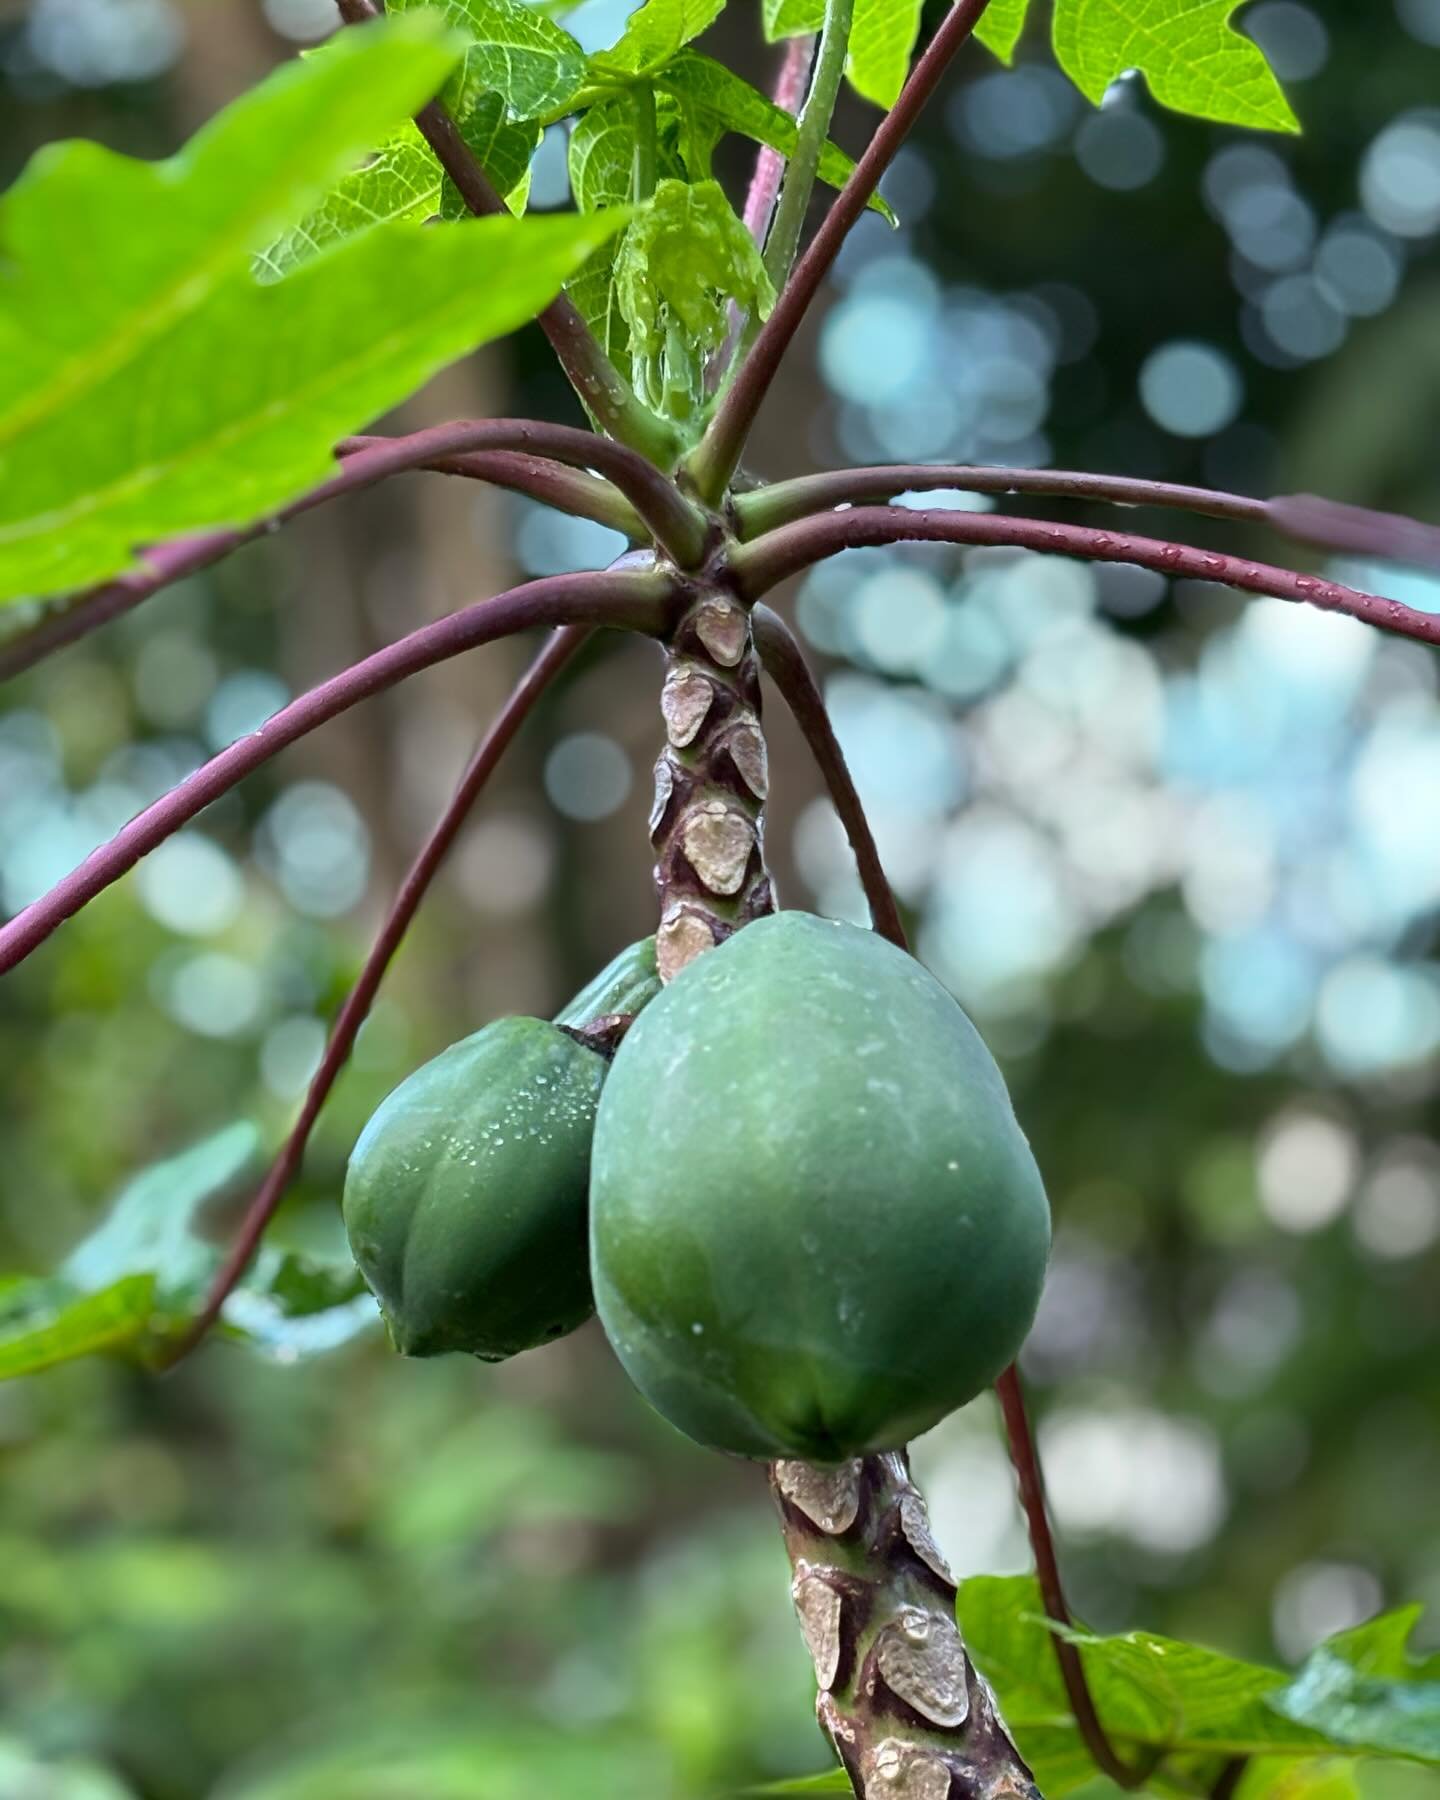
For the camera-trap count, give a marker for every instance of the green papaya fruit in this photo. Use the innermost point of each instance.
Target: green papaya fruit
(625, 985)
(816, 1227)
(465, 1195)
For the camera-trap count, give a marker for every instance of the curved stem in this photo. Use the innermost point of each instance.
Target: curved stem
(639, 496)
(575, 492)
(602, 389)
(720, 450)
(677, 525)
(784, 662)
(559, 648)
(760, 565)
(766, 509)
(630, 600)
(1047, 1570)
(814, 127)
(1327, 524)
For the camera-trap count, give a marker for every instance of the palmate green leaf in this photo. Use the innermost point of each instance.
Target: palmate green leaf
(234, 412)
(1000, 26)
(601, 149)
(401, 181)
(653, 34)
(46, 1322)
(1363, 1689)
(681, 262)
(1195, 1705)
(716, 101)
(104, 253)
(515, 51)
(1189, 52)
(504, 149)
(132, 1286)
(882, 39)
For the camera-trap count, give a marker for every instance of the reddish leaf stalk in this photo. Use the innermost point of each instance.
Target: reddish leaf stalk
(626, 600)
(724, 443)
(499, 450)
(1047, 1570)
(1324, 523)
(784, 662)
(760, 565)
(559, 648)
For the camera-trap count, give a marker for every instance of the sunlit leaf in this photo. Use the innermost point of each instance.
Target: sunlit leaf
(882, 38)
(141, 406)
(1186, 1701)
(681, 262)
(722, 101)
(1000, 26)
(515, 51)
(654, 34)
(1362, 1689)
(1193, 58)
(1189, 52)
(58, 1324)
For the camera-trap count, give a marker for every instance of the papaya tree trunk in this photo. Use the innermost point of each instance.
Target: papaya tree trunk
(908, 1714)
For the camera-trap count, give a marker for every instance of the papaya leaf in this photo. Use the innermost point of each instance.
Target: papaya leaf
(515, 51)
(46, 1322)
(1000, 26)
(882, 38)
(1363, 1689)
(653, 35)
(403, 180)
(719, 101)
(150, 1229)
(679, 264)
(504, 149)
(601, 150)
(1190, 54)
(135, 434)
(132, 1286)
(157, 237)
(1196, 1705)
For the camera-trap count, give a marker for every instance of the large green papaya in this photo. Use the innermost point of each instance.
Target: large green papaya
(816, 1227)
(465, 1195)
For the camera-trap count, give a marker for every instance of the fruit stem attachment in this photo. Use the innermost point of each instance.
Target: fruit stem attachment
(561, 645)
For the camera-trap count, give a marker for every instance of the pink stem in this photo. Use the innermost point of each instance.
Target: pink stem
(770, 559)
(770, 164)
(560, 647)
(629, 600)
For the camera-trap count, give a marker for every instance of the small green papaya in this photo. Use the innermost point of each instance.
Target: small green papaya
(465, 1195)
(625, 985)
(816, 1227)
